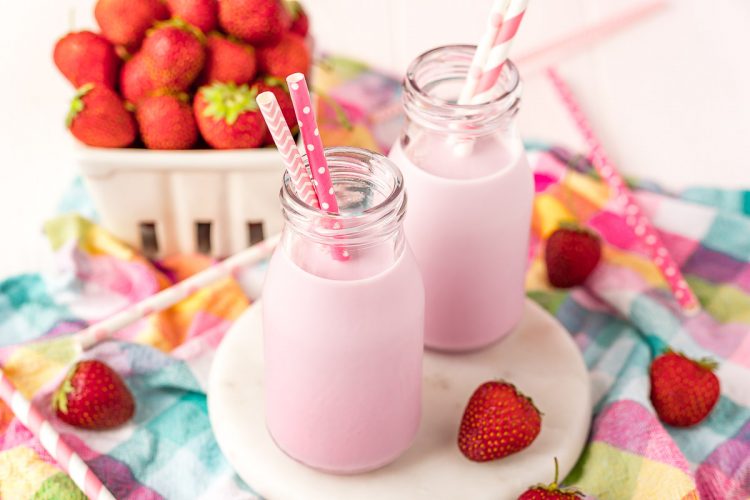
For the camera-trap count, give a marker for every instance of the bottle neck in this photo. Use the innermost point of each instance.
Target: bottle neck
(432, 87)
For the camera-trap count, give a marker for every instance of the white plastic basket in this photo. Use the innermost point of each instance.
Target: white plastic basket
(165, 202)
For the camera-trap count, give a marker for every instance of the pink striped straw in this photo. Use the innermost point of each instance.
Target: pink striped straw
(492, 51)
(51, 440)
(634, 217)
(313, 144)
(269, 106)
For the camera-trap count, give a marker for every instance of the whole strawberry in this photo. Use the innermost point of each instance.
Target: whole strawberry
(174, 55)
(257, 22)
(203, 14)
(228, 61)
(683, 390)
(124, 22)
(571, 255)
(497, 422)
(300, 21)
(86, 57)
(93, 396)
(135, 82)
(290, 55)
(228, 116)
(167, 122)
(98, 117)
(551, 491)
(280, 90)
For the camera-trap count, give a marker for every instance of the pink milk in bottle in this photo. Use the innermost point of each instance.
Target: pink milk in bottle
(470, 198)
(343, 322)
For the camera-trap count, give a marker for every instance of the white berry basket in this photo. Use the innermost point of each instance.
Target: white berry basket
(165, 202)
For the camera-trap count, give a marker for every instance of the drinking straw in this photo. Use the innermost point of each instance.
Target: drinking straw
(269, 106)
(492, 51)
(634, 216)
(170, 296)
(51, 440)
(303, 109)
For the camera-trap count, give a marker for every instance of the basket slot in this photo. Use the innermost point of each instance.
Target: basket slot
(149, 240)
(203, 237)
(255, 232)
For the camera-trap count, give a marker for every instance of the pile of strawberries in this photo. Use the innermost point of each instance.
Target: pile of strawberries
(179, 74)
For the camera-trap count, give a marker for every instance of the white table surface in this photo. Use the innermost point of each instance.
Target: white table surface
(669, 96)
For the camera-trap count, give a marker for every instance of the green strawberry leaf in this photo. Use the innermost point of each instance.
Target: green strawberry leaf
(274, 81)
(60, 398)
(227, 101)
(76, 105)
(176, 22)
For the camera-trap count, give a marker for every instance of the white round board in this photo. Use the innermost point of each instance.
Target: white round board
(539, 357)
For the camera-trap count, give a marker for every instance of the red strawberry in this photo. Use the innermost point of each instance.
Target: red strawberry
(86, 57)
(257, 22)
(93, 396)
(571, 254)
(300, 21)
(135, 83)
(98, 118)
(279, 89)
(166, 122)
(228, 61)
(551, 491)
(228, 116)
(200, 13)
(290, 55)
(683, 390)
(124, 22)
(497, 422)
(174, 55)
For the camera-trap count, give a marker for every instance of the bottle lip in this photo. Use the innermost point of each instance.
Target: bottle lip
(454, 62)
(382, 217)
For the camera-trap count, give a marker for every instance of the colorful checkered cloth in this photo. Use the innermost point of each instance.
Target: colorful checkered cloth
(619, 319)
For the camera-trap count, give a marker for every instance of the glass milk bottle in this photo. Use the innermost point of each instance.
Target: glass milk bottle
(343, 322)
(470, 198)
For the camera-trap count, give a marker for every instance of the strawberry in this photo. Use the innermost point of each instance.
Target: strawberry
(300, 21)
(93, 396)
(257, 22)
(228, 61)
(497, 422)
(200, 13)
(290, 55)
(174, 55)
(98, 117)
(135, 82)
(571, 254)
(280, 90)
(166, 122)
(124, 22)
(683, 390)
(228, 116)
(551, 491)
(86, 57)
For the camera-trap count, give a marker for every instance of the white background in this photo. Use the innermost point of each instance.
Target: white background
(670, 96)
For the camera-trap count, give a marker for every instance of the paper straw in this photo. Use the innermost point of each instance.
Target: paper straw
(634, 216)
(303, 109)
(51, 440)
(271, 110)
(170, 296)
(497, 49)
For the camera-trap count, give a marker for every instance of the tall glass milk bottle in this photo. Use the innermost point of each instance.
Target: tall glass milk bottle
(470, 199)
(343, 322)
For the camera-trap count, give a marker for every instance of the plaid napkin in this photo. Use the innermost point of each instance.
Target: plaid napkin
(618, 320)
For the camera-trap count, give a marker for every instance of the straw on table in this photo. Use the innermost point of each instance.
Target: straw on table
(271, 110)
(51, 440)
(634, 216)
(170, 296)
(303, 109)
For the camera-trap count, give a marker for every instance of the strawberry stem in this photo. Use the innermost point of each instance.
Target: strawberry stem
(557, 474)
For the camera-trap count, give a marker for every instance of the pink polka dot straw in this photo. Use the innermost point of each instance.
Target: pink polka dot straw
(313, 144)
(634, 216)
